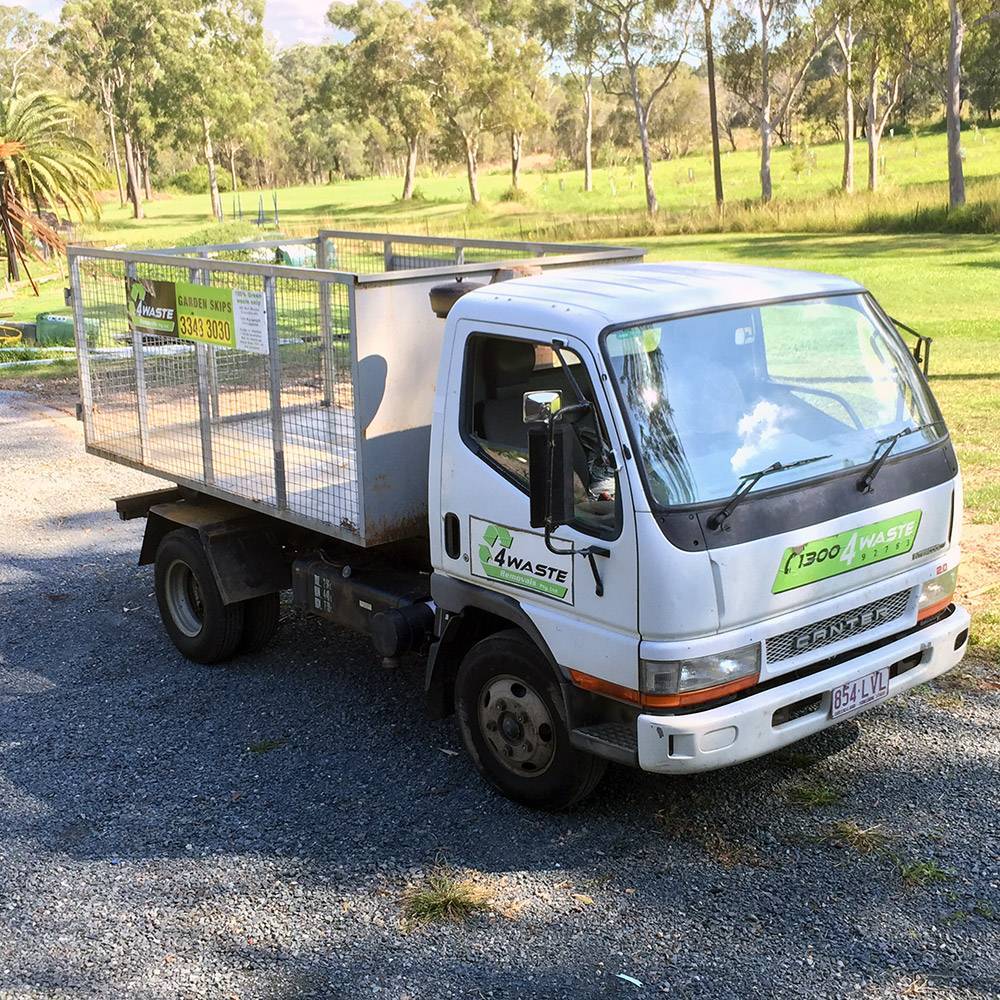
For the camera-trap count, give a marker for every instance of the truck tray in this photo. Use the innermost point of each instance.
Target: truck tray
(314, 403)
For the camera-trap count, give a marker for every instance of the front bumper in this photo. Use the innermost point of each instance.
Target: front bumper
(747, 728)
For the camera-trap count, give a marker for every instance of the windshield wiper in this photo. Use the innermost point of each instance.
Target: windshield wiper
(750, 480)
(879, 456)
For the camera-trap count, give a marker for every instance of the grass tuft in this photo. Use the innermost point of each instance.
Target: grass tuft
(731, 853)
(918, 874)
(812, 794)
(443, 895)
(265, 746)
(864, 840)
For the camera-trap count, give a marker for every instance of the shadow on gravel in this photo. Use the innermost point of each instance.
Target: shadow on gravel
(308, 765)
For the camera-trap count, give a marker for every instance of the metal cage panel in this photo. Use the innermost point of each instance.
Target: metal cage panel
(330, 428)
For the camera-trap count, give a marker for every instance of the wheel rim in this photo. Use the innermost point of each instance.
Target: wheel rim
(517, 726)
(184, 600)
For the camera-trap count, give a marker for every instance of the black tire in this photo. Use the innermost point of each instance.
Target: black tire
(505, 682)
(261, 617)
(199, 624)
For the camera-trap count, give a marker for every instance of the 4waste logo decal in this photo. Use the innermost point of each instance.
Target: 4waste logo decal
(152, 306)
(520, 559)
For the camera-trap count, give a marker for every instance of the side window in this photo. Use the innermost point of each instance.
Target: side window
(498, 372)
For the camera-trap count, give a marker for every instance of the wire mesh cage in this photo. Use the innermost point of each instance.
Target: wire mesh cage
(297, 421)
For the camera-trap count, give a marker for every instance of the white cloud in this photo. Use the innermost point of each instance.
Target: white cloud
(291, 21)
(759, 430)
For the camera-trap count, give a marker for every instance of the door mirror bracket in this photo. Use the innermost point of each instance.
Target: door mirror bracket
(550, 473)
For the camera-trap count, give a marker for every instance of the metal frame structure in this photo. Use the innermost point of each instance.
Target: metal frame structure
(329, 430)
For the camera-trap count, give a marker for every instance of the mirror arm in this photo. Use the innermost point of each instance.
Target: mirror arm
(590, 552)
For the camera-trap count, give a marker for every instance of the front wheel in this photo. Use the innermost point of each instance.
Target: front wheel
(200, 625)
(510, 712)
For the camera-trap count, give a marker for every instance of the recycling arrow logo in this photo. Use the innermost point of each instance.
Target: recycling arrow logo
(495, 537)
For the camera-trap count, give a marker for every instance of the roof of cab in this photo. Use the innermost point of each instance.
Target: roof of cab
(580, 298)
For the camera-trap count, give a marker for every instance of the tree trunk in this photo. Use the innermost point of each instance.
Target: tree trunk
(713, 107)
(652, 205)
(132, 181)
(588, 133)
(147, 182)
(137, 153)
(9, 239)
(873, 134)
(213, 179)
(956, 175)
(472, 169)
(765, 107)
(410, 172)
(845, 39)
(232, 169)
(515, 159)
(115, 158)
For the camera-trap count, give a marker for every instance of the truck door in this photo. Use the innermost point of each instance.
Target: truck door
(484, 485)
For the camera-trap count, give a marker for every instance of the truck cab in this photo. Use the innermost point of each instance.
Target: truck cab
(681, 515)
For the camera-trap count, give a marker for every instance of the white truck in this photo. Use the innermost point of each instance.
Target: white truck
(671, 515)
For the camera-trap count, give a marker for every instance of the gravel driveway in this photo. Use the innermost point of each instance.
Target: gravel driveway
(168, 830)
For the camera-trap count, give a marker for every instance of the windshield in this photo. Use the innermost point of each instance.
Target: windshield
(715, 397)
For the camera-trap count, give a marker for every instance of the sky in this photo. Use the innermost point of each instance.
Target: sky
(286, 21)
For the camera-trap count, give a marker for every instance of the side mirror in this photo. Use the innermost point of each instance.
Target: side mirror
(540, 405)
(550, 473)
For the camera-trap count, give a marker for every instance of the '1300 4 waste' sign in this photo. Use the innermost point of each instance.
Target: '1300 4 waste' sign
(847, 551)
(224, 317)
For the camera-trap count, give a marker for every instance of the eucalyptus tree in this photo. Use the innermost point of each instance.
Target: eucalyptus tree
(981, 69)
(769, 46)
(25, 52)
(461, 76)
(385, 74)
(517, 64)
(577, 33)
(708, 13)
(962, 15)
(846, 35)
(646, 42)
(114, 47)
(215, 78)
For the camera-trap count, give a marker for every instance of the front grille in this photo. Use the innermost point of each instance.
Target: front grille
(846, 625)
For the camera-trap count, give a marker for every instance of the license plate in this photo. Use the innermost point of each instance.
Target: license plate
(856, 694)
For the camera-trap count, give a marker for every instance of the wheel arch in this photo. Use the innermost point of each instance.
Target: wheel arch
(243, 549)
(471, 613)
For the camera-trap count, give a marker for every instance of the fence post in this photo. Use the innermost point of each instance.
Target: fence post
(213, 368)
(82, 347)
(274, 371)
(327, 361)
(201, 353)
(141, 397)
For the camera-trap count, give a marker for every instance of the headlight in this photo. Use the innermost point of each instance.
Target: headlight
(667, 683)
(936, 594)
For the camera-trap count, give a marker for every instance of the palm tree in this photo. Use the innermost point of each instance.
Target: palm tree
(44, 164)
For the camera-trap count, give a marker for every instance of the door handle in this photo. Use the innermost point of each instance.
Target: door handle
(452, 536)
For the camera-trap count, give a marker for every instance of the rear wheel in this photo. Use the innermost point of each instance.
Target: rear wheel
(510, 711)
(200, 625)
(261, 617)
